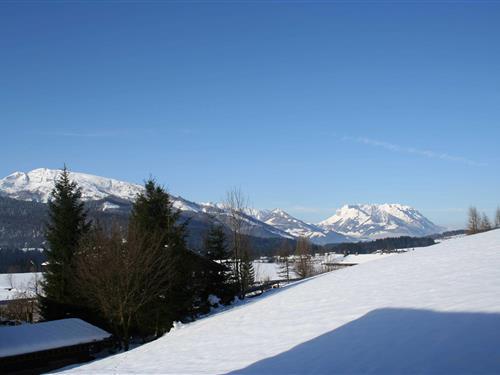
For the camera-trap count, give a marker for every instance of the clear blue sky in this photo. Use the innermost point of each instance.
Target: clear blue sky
(306, 106)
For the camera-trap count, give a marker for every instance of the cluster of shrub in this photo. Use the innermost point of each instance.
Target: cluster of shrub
(135, 281)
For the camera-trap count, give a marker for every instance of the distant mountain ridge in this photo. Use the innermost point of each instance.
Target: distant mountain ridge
(380, 221)
(37, 184)
(350, 223)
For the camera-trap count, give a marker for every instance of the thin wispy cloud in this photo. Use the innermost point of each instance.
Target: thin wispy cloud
(414, 151)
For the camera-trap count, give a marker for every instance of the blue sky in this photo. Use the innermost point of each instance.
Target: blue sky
(305, 106)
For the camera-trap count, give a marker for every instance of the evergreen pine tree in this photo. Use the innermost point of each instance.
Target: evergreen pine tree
(221, 284)
(67, 224)
(153, 214)
(216, 244)
(247, 272)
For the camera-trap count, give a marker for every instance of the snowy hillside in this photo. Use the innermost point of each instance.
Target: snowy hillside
(379, 221)
(433, 310)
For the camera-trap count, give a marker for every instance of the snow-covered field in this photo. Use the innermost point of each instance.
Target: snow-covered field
(270, 271)
(274, 271)
(13, 284)
(432, 310)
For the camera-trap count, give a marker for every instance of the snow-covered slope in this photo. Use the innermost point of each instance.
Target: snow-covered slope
(433, 310)
(379, 221)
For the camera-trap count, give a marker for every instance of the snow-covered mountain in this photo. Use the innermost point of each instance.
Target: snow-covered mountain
(372, 221)
(37, 184)
(350, 223)
(298, 228)
(112, 194)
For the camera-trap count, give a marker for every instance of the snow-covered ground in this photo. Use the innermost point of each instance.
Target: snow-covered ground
(432, 310)
(274, 271)
(14, 283)
(355, 258)
(270, 271)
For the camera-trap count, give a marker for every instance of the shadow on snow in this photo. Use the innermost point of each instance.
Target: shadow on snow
(396, 341)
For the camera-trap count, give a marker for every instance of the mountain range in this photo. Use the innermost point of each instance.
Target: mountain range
(349, 223)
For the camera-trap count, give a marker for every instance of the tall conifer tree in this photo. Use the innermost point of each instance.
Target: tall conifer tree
(247, 272)
(222, 283)
(216, 244)
(67, 224)
(153, 214)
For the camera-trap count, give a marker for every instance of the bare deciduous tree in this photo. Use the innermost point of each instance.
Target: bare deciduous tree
(22, 307)
(23, 304)
(497, 218)
(474, 221)
(303, 263)
(10, 279)
(118, 276)
(236, 205)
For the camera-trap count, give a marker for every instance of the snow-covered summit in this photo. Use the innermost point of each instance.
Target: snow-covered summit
(379, 220)
(282, 220)
(37, 185)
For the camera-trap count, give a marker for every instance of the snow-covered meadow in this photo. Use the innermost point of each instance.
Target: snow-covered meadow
(13, 284)
(265, 271)
(432, 310)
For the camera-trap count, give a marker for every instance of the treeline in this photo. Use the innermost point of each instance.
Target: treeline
(448, 234)
(18, 261)
(137, 279)
(480, 222)
(21, 223)
(386, 244)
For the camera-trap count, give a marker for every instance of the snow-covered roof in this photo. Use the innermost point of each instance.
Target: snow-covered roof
(30, 338)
